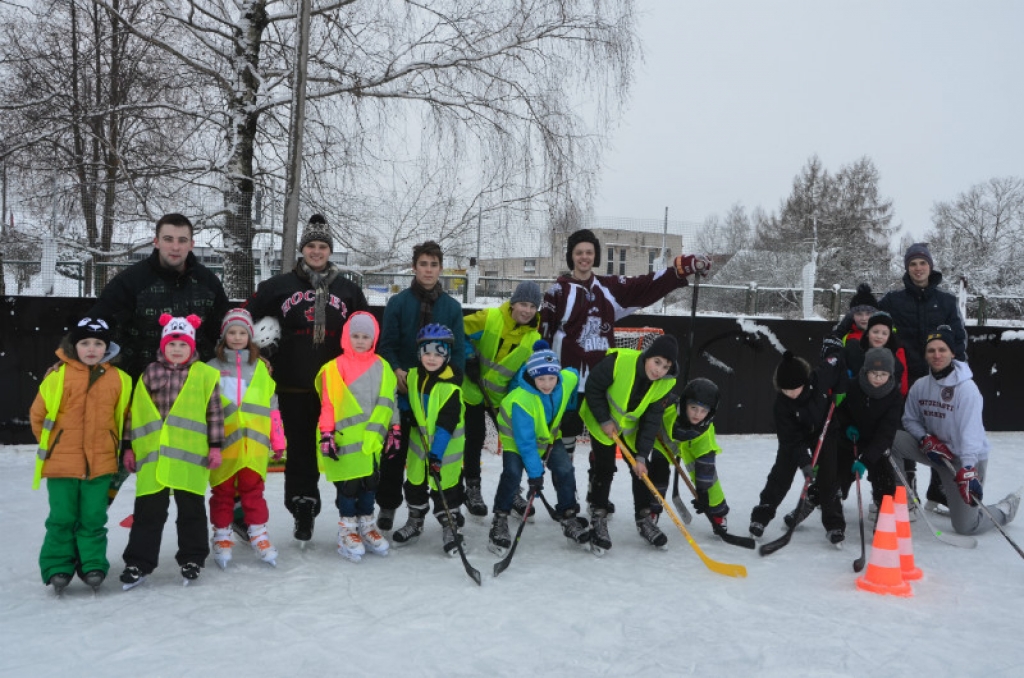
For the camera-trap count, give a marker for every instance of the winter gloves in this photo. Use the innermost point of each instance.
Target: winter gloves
(328, 446)
(852, 433)
(859, 469)
(535, 485)
(969, 484)
(936, 450)
(688, 264)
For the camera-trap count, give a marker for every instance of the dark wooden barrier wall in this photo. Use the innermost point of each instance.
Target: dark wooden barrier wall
(739, 355)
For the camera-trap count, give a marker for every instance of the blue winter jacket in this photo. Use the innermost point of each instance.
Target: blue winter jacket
(522, 423)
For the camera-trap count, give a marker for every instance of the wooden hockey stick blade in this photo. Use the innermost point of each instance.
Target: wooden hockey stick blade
(727, 569)
(735, 540)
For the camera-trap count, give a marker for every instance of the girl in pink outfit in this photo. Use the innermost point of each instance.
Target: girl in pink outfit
(252, 429)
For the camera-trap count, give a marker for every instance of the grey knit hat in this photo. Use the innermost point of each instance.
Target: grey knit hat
(527, 291)
(317, 229)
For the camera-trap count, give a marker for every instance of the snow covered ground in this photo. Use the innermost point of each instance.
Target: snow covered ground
(556, 611)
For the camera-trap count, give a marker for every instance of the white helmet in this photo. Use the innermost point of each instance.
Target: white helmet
(267, 332)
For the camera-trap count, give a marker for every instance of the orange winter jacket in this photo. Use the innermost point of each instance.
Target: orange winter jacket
(84, 441)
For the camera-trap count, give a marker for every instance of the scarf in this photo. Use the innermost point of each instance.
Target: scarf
(875, 392)
(426, 298)
(321, 283)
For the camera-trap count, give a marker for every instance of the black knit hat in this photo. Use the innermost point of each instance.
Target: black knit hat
(582, 235)
(879, 360)
(943, 333)
(664, 346)
(863, 301)
(96, 328)
(880, 318)
(919, 250)
(792, 372)
(317, 229)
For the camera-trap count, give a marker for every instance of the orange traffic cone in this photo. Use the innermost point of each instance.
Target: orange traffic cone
(883, 573)
(909, 571)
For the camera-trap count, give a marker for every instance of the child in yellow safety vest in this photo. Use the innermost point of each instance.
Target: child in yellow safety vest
(436, 440)
(77, 418)
(252, 434)
(174, 434)
(625, 394)
(689, 433)
(357, 396)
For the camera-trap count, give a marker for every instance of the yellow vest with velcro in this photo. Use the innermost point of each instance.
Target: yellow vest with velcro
(52, 390)
(689, 450)
(623, 377)
(247, 429)
(174, 452)
(532, 405)
(495, 374)
(362, 416)
(426, 425)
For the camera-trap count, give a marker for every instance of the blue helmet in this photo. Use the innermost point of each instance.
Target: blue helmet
(435, 338)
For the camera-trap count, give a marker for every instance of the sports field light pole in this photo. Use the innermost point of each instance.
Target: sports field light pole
(293, 180)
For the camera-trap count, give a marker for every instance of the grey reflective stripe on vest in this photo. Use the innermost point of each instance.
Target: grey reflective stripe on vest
(506, 429)
(41, 452)
(186, 424)
(152, 456)
(146, 429)
(376, 427)
(229, 410)
(366, 391)
(246, 432)
(258, 410)
(451, 459)
(183, 455)
(416, 445)
(351, 448)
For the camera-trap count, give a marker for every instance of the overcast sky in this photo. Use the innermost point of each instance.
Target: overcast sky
(733, 97)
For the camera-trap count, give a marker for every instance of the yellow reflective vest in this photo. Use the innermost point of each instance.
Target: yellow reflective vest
(51, 391)
(532, 405)
(247, 428)
(500, 331)
(362, 416)
(689, 450)
(426, 425)
(174, 452)
(624, 375)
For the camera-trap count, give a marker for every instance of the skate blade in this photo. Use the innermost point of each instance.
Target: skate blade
(354, 557)
(500, 551)
(222, 563)
(597, 550)
(129, 587)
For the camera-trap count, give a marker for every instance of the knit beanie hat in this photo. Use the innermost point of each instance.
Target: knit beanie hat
(179, 329)
(527, 291)
(919, 250)
(317, 229)
(863, 301)
(237, 316)
(792, 372)
(878, 360)
(362, 323)
(664, 346)
(942, 333)
(582, 235)
(880, 318)
(543, 361)
(95, 328)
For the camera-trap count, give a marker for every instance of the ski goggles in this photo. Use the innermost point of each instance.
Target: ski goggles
(439, 347)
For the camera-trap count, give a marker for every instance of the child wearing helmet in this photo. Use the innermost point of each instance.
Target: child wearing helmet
(434, 462)
(688, 432)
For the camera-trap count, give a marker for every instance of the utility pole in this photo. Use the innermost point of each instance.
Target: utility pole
(293, 180)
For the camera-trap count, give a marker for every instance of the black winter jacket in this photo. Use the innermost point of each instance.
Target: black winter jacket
(876, 419)
(137, 296)
(290, 298)
(917, 311)
(798, 421)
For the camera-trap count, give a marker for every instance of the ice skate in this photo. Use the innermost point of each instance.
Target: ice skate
(373, 540)
(131, 577)
(385, 519)
(799, 514)
(575, 529)
(500, 539)
(1010, 504)
(450, 535)
(59, 582)
(519, 504)
(756, 529)
(599, 539)
(189, 573)
(649, 530)
(410, 533)
(93, 579)
(304, 510)
(474, 498)
(223, 541)
(936, 507)
(260, 543)
(350, 544)
(836, 537)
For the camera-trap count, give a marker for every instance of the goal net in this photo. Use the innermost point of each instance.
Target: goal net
(636, 337)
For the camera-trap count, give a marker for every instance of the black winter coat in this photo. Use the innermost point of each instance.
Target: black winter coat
(290, 298)
(798, 421)
(916, 312)
(877, 420)
(137, 296)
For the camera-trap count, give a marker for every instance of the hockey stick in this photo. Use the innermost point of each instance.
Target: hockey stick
(551, 509)
(503, 564)
(686, 379)
(858, 564)
(473, 573)
(727, 569)
(773, 546)
(735, 540)
(961, 540)
(987, 512)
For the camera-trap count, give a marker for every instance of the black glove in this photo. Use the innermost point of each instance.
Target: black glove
(328, 447)
(472, 370)
(701, 502)
(435, 466)
(830, 345)
(535, 485)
